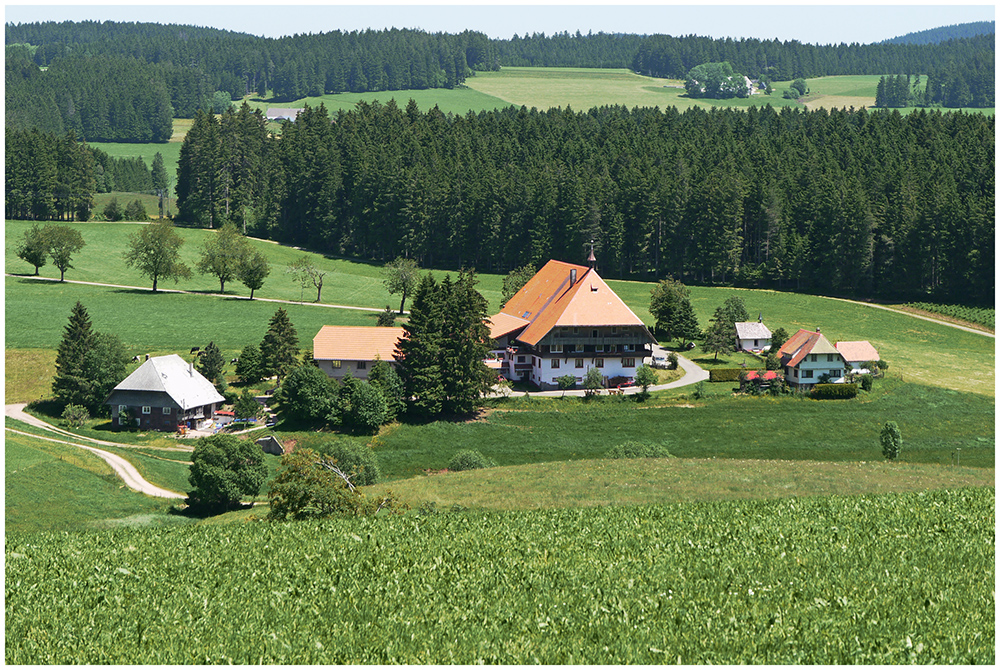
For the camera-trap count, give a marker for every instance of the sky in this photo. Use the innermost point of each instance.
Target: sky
(847, 22)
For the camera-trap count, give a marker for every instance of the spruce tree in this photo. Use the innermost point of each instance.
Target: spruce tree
(70, 386)
(279, 350)
(465, 341)
(249, 366)
(419, 351)
(212, 366)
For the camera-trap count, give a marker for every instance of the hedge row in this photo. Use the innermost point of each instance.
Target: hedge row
(726, 374)
(834, 391)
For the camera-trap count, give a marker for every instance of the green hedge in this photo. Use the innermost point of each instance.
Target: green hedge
(834, 391)
(725, 374)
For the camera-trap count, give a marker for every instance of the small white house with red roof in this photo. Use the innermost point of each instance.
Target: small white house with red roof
(857, 353)
(807, 356)
(564, 321)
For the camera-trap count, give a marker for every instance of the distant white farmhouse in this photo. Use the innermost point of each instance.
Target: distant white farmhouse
(807, 356)
(752, 336)
(283, 113)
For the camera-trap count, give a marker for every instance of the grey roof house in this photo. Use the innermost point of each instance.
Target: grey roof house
(752, 336)
(164, 393)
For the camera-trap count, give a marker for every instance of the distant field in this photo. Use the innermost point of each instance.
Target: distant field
(450, 101)
(586, 483)
(584, 88)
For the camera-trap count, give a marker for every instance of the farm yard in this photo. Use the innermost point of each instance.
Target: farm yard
(768, 529)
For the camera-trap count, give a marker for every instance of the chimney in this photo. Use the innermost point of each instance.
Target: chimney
(572, 276)
(591, 259)
(817, 329)
(147, 357)
(191, 369)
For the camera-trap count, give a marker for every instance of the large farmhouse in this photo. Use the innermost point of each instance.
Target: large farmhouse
(164, 393)
(339, 350)
(808, 356)
(564, 321)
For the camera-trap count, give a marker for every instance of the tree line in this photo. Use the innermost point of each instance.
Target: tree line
(53, 177)
(857, 202)
(123, 81)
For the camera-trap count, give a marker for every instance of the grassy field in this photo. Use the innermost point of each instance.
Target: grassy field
(36, 311)
(934, 423)
(590, 483)
(51, 486)
(874, 579)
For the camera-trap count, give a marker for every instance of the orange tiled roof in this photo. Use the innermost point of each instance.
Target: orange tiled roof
(503, 324)
(355, 343)
(861, 350)
(803, 343)
(549, 300)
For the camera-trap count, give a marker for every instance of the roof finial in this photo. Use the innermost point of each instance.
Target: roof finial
(591, 259)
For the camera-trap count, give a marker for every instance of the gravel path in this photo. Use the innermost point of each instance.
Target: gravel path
(122, 467)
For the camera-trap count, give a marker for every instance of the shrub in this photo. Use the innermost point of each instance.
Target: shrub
(891, 440)
(308, 486)
(672, 361)
(358, 461)
(470, 459)
(866, 383)
(113, 211)
(834, 391)
(135, 211)
(76, 415)
(633, 449)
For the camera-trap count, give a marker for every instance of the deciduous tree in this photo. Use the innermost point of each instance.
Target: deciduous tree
(34, 248)
(63, 242)
(154, 250)
(253, 270)
(515, 280)
(401, 276)
(223, 254)
(306, 273)
(224, 470)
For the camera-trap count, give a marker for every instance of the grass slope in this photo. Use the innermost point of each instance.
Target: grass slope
(644, 481)
(50, 486)
(862, 580)
(934, 422)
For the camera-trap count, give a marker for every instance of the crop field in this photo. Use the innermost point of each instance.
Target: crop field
(902, 578)
(982, 316)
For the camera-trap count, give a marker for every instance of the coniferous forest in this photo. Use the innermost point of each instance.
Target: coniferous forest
(866, 203)
(859, 202)
(98, 72)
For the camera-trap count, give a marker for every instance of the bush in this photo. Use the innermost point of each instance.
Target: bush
(308, 487)
(135, 211)
(866, 383)
(633, 449)
(358, 461)
(76, 415)
(672, 361)
(113, 211)
(891, 440)
(834, 391)
(470, 459)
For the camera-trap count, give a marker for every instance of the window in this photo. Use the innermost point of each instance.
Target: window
(756, 343)
(556, 348)
(335, 365)
(576, 331)
(599, 362)
(520, 359)
(813, 358)
(555, 363)
(836, 374)
(600, 348)
(807, 374)
(146, 409)
(830, 358)
(628, 362)
(166, 411)
(614, 330)
(122, 409)
(593, 333)
(362, 364)
(579, 363)
(628, 347)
